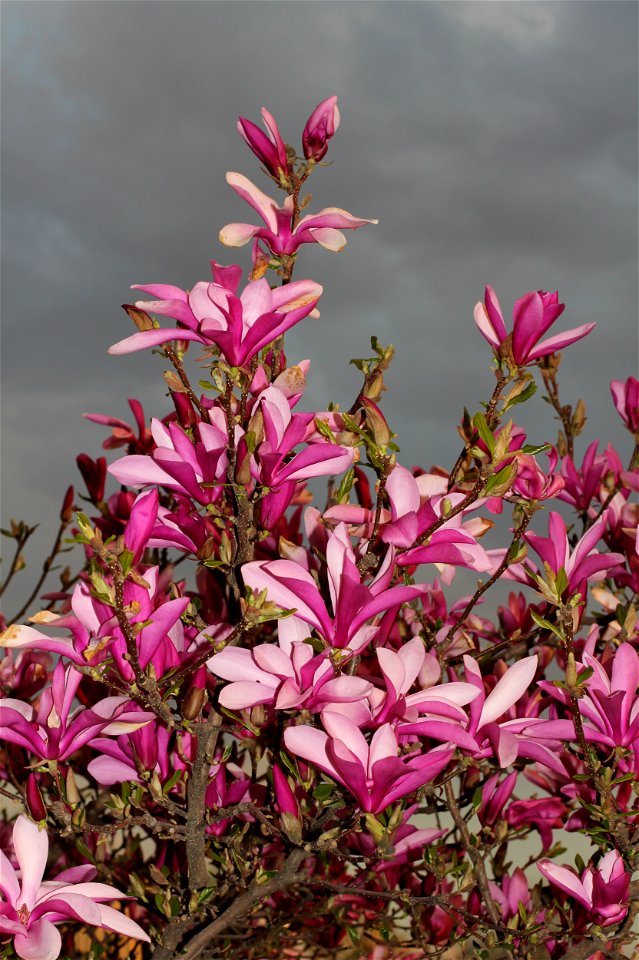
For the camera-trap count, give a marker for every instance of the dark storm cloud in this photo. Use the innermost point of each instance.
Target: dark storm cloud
(496, 142)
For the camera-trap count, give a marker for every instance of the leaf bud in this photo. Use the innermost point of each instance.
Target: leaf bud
(71, 789)
(376, 423)
(195, 696)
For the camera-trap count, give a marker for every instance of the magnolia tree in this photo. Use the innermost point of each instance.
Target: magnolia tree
(253, 728)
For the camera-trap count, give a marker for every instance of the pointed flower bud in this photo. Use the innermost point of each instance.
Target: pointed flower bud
(35, 803)
(320, 127)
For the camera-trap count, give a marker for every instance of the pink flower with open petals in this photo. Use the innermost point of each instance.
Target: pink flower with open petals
(533, 314)
(213, 314)
(374, 773)
(279, 235)
(30, 908)
(602, 891)
(354, 603)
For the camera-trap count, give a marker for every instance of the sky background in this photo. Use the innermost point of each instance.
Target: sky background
(495, 141)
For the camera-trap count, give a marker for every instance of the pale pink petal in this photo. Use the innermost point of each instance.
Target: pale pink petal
(42, 941)
(32, 849)
(509, 688)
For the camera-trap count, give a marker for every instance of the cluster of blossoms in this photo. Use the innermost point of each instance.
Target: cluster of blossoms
(296, 744)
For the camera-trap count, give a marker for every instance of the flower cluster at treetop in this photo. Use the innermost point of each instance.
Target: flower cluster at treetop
(263, 727)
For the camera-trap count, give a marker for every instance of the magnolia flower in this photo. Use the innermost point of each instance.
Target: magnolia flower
(354, 603)
(30, 908)
(54, 731)
(602, 891)
(213, 314)
(279, 235)
(533, 314)
(268, 147)
(375, 774)
(581, 564)
(625, 396)
(320, 127)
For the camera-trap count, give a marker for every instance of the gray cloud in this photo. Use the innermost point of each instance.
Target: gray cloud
(496, 142)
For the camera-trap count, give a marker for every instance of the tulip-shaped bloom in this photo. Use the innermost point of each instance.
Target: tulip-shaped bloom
(373, 773)
(31, 908)
(320, 127)
(53, 731)
(279, 234)
(212, 314)
(291, 587)
(625, 396)
(601, 890)
(269, 148)
(533, 314)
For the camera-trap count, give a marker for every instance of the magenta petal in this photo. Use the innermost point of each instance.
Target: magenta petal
(151, 338)
(560, 340)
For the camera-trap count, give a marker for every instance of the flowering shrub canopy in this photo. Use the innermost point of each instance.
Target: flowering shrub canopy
(270, 729)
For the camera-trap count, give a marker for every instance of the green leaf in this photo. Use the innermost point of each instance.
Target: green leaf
(534, 449)
(484, 431)
(323, 791)
(325, 430)
(345, 487)
(546, 624)
(525, 394)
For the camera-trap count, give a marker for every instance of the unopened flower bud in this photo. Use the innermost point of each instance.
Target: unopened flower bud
(66, 512)
(320, 127)
(71, 789)
(195, 696)
(376, 423)
(34, 801)
(375, 386)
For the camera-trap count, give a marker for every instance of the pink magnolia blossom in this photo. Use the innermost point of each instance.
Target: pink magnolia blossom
(601, 890)
(96, 633)
(212, 314)
(374, 773)
(195, 468)
(31, 908)
(269, 148)
(484, 733)
(625, 395)
(354, 603)
(122, 434)
(279, 234)
(286, 678)
(415, 504)
(580, 564)
(320, 127)
(610, 704)
(532, 483)
(533, 314)
(54, 731)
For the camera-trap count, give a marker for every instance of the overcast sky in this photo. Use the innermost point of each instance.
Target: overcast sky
(495, 141)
